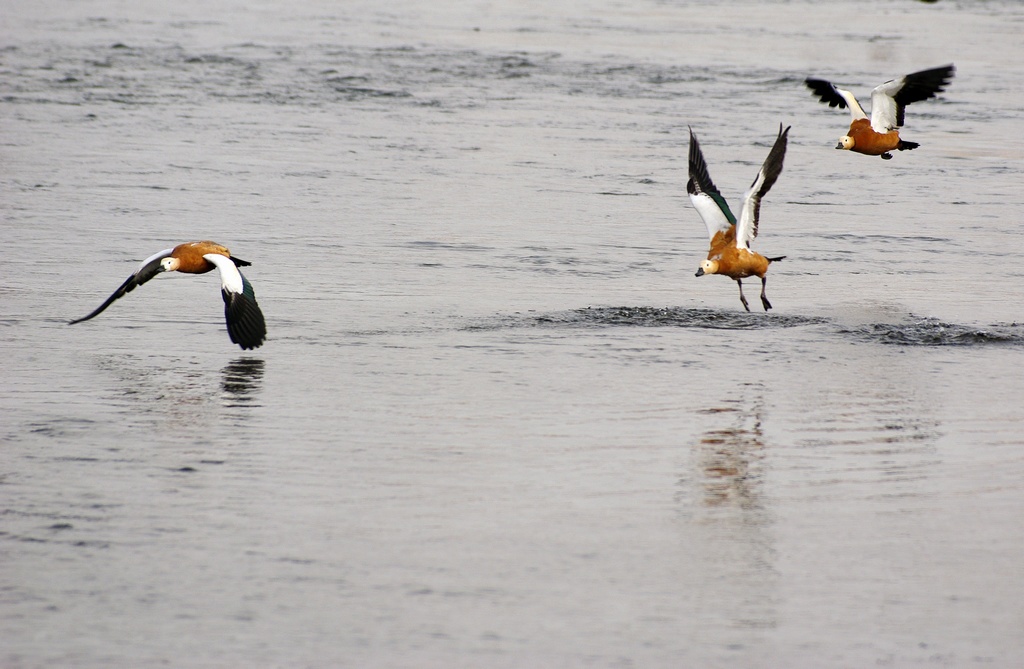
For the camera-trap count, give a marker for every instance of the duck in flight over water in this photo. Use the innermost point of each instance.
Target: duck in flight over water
(881, 134)
(730, 253)
(246, 325)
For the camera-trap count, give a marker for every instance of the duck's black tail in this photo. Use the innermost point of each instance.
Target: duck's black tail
(776, 259)
(907, 146)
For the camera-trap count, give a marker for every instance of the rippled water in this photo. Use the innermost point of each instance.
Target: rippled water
(498, 422)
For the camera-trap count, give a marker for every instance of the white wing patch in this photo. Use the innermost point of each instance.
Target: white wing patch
(230, 277)
(712, 215)
(856, 111)
(156, 256)
(746, 227)
(883, 105)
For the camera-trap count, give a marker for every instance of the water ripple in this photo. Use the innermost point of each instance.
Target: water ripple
(685, 317)
(674, 317)
(933, 332)
(912, 331)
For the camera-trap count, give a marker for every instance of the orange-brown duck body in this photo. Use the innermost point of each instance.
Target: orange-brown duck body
(735, 262)
(863, 139)
(188, 257)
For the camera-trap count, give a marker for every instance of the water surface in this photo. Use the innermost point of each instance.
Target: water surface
(498, 422)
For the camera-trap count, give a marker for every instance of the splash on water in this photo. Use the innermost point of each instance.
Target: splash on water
(910, 331)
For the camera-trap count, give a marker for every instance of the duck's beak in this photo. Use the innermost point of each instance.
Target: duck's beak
(700, 271)
(839, 145)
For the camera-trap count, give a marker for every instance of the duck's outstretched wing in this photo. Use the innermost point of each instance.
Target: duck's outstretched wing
(746, 229)
(246, 325)
(706, 198)
(149, 268)
(889, 100)
(828, 93)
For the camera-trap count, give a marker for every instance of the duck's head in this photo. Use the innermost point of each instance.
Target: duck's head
(845, 143)
(708, 267)
(169, 264)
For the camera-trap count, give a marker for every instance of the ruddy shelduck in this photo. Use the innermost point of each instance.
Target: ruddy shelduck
(881, 134)
(246, 326)
(730, 253)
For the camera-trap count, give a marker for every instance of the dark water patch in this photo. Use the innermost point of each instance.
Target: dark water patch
(215, 59)
(933, 332)
(911, 332)
(352, 93)
(675, 317)
(319, 74)
(885, 239)
(569, 264)
(58, 428)
(431, 245)
(513, 66)
(683, 317)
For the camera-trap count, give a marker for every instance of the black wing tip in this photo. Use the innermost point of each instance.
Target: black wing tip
(936, 78)
(246, 325)
(924, 85)
(772, 166)
(103, 307)
(239, 262)
(248, 335)
(700, 178)
(943, 71)
(781, 142)
(780, 146)
(826, 92)
(694, 146)
(141, 276)
(250, 345)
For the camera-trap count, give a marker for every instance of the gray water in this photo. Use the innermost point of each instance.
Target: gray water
(498, 422)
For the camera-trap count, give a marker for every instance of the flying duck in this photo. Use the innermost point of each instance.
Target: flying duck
(730, 253)
(246, 326)
(881, 134)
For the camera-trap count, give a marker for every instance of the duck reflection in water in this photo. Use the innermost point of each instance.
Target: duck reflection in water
(242, 378)
(734, 547)
(731, 460)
